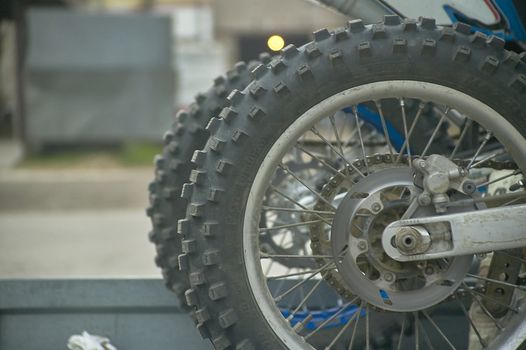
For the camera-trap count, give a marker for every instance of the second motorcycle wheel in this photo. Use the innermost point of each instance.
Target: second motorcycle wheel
(475, 86)
(173, 167)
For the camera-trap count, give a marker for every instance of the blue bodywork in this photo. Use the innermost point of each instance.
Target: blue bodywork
(318, 317)
(372, 118)
(515, 30)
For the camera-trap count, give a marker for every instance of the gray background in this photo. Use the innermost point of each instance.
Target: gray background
(97, 77)
(136, 314)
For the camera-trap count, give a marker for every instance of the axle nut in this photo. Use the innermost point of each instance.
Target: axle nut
(412, 240)
(406, 239)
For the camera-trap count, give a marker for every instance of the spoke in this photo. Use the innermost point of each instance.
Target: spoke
(411, 129)
(330, 319)
(356, 324)
(481, 146)
(514, 196)
(299, 204)
(302, 282)
(317, 133)
(367, 344)
(280, 227)
(384, 127)
(438, 329)
(417, 332)
(343, 330)
(516, 172)
(465, 312)
(282, 282)
(357, 227)
(299, 210)
(346, 139)
(359, 128)
(406, 135)
(435, 132)
(495, 301)
(301, 325)
(269, 267)
(482, 307)
(413, 206)
(511, 202)
(307, 296)
(463, 133)
(269, 278)
(272, 262)
(291, 256)
(403, 193)
(319, 196)
(399, 346)
(313, 156)
(354, 133)
(339, 142)
(502, 252)
(496, 281)
(426, 336)
(490, 157)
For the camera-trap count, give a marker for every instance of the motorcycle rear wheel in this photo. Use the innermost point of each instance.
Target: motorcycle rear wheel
(454, 67)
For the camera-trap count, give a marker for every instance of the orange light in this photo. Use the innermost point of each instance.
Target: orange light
(276, 42)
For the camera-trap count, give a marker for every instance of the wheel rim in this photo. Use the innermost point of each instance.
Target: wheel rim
(479, 112)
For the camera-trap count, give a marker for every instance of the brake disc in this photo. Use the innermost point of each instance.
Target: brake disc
(320, 232)
(355, 239)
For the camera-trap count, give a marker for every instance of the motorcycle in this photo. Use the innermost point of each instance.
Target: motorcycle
(364, 190)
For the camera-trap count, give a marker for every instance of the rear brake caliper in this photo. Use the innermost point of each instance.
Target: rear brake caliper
(437, 175)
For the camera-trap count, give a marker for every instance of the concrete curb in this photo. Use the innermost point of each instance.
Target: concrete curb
(78, 189)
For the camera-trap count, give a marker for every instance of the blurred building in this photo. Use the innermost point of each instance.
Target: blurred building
(106, 80)
(243, 27)
(211, 35)
(207, 37)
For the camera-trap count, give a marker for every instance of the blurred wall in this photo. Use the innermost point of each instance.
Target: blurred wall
(7, 74)
(199, 58)
(97, 78)
(254, 16)
(103, 103)
(236, 18)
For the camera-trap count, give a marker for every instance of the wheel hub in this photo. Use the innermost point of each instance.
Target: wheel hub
(365, 268)
(412, 240)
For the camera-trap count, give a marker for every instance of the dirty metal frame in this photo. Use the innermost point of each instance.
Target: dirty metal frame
(453, 234)
(473, 232)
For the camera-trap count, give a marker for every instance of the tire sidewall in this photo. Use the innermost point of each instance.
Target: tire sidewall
(329, 78)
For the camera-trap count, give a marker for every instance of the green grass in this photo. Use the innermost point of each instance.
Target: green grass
(127, 155)
(133, 154)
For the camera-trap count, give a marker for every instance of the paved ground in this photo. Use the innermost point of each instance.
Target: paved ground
(73, 223)
(75, 244)
(80, 223)
(73, 189)
(10, 153)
